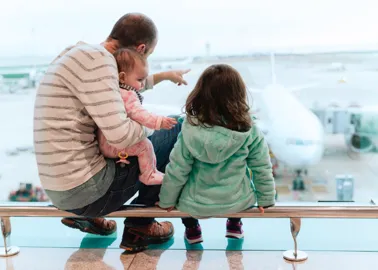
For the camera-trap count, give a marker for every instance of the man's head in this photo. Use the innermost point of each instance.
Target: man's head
(135, 31)
(132, 67)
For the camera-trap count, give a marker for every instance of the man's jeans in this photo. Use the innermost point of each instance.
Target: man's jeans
(126, 183)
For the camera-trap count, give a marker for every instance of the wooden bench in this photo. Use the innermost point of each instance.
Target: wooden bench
(294, 211)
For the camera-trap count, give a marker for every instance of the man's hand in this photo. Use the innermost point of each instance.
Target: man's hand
(175, 76)
(169, 209)
(168, 123)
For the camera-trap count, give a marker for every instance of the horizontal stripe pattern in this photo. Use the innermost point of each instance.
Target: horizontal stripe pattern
(78, 94)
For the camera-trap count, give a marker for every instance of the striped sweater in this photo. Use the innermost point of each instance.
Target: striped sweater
(79, 93)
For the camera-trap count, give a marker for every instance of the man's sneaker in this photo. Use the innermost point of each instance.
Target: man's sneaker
(194, 235)
(137, 238)
(234, 229)
(99, 226)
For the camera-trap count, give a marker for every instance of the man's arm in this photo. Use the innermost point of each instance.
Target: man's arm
(94, 81)
(175, 76)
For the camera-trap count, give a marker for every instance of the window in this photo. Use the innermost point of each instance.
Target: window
(319, 62)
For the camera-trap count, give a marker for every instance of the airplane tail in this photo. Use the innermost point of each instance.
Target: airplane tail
(273, 74)
(274, 79)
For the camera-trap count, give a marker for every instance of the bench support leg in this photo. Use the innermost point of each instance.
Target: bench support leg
(6, 230)
(295, 255)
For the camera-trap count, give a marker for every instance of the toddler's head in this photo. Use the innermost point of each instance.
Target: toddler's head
(132, 68)
(219, 99)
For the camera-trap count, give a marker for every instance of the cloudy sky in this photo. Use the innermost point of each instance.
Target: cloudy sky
(45, 27)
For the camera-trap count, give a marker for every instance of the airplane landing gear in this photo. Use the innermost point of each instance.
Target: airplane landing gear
(298, 182)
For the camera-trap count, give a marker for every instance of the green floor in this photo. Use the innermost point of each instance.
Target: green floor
(260, 234)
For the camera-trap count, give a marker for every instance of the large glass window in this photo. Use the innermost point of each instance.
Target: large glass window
(311, 68)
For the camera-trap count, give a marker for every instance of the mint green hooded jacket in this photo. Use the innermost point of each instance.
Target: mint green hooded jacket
(208, 172)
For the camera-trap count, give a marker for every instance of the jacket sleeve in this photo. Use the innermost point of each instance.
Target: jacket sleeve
(97, 88)
(136, 112)
(176, 174)
(259, 163)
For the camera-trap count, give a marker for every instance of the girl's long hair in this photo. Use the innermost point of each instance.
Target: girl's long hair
(219, 99)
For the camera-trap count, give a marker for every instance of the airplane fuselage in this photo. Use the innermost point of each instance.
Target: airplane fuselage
(294, 134)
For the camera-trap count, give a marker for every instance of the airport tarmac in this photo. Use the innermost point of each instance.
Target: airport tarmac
(321, 181)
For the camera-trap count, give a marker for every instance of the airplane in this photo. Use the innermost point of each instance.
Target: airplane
(293, 132)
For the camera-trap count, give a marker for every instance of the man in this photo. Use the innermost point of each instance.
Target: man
(79, 93)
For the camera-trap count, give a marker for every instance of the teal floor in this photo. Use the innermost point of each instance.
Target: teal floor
(260, 234)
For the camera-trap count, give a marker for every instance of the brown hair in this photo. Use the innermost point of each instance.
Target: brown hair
(126, 59)
(219, 99)
(133, 29)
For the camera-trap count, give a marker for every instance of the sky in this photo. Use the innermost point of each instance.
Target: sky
(43, 27)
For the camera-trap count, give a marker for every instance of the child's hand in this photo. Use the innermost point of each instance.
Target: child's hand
(262, 208)
(176, 76)
(169, 209)
(168, 123)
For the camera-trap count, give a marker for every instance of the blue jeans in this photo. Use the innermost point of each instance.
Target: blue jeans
(126, 182)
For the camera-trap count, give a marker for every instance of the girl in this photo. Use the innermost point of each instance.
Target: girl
(133, 71)
(208, 171)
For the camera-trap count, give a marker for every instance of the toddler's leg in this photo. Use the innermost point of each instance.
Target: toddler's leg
(190, 222)
(193, 233)
(234, 228)
(149, 175)
(106, 149)
(235, 220)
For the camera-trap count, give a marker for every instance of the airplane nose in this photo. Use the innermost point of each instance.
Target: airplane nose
(312, 155)
(303, 156)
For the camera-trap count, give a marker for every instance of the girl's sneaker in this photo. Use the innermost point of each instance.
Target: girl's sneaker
(234, 229)
(193, 235)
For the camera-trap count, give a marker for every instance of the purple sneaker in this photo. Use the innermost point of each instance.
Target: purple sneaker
(193, 235)
(234, 229)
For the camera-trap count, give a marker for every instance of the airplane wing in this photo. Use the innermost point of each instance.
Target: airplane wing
(302, 87)
(297, 88)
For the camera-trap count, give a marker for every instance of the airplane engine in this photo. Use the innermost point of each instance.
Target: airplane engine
(359, 143)
(361, 135)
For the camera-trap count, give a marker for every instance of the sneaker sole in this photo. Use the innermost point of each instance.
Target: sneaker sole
(135, 249)
(234, 235)
(86, 227)
(194, 241)
(130, 248)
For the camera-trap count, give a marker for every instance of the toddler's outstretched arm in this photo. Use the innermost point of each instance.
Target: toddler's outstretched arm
(259, 162)
(139, 114)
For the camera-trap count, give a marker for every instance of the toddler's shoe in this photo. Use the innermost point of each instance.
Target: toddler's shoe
(234, 229)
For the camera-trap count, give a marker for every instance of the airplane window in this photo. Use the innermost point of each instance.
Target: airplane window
(302, 142)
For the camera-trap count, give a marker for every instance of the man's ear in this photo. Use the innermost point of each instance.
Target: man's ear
(141, 49)
(122, 77)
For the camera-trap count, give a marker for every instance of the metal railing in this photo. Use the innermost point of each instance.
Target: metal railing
(293, 211)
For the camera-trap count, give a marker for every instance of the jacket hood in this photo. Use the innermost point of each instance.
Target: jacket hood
(214, 144)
